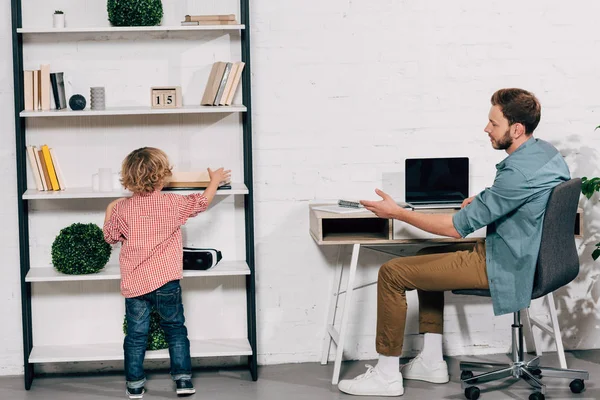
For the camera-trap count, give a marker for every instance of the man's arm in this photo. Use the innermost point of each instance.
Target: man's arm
(439, 224)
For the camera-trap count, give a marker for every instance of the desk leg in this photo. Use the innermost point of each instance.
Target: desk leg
(333, 302)
(345, 312)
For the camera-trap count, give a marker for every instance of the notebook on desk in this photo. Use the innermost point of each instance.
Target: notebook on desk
(436, 182)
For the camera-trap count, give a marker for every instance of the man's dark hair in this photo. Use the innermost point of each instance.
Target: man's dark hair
(519, 106)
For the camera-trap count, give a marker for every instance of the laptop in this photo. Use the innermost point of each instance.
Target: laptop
(436, 182)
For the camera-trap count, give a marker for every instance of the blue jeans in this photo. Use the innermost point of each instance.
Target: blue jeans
(167, 301)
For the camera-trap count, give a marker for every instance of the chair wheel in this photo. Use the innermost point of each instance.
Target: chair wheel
(577, 386)
(537, 396)
(536, 372)
(472, 393)
(466, 375)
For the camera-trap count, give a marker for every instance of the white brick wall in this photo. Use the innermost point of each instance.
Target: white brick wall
(343, 92)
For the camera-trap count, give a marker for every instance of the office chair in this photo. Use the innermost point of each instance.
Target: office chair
(557, 265)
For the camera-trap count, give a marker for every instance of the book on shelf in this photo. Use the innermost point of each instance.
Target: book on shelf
(215, 17)
(28, 89)
(40, 171)
(34, 168)
(50, 166)
(45, 169)
(36, 90)
(198, 23)
(45, 87)
(234, 84)
(57, 82)
(222, 83)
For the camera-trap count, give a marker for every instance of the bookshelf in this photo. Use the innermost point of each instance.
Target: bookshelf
(44, 290)
(135, 111)
(109, 29)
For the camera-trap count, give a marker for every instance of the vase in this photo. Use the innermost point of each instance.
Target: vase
(58, 20)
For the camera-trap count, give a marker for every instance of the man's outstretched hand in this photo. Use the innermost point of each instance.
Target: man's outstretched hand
(386, 208)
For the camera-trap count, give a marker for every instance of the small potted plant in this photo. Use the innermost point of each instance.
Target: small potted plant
(58, 20)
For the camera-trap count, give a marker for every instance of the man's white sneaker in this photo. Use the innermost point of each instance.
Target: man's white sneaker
(372, 383)
(417, 370)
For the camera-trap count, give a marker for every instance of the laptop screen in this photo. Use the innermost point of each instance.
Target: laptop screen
(437, 179)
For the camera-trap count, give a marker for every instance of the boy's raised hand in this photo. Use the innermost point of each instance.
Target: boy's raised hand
(219, 175)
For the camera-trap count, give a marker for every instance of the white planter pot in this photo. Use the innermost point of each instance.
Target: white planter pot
(58, 20)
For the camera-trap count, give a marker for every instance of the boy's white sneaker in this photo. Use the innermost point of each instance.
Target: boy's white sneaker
(372, 383)
(417, 370)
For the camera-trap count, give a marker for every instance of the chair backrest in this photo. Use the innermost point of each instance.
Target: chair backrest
(558, 262)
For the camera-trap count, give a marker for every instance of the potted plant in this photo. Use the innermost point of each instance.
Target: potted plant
(80, 249)
(58, 19)
(134, 12)
(588, 188)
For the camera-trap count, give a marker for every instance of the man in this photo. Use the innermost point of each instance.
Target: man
(512, 209)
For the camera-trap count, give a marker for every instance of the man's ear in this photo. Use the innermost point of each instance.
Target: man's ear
(519, 130)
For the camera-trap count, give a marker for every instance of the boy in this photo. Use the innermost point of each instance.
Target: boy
(148, 225)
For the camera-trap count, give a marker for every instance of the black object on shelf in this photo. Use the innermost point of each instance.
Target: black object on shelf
(77, 102)
(200, 259)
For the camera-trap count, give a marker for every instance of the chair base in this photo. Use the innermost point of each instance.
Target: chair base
(530, 371)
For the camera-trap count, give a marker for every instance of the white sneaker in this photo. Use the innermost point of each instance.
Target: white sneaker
(372, 383)
(417, 370)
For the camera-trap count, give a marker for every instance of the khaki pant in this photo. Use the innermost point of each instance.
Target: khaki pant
(458, 266)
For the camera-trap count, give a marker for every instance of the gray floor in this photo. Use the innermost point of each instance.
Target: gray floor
(289, 382)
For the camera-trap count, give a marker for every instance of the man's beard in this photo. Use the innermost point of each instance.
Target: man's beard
(504, 142)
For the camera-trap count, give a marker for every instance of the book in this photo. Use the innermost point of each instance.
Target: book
(34, 168)
(218, 17)
(45, 87)
(39, 167)
(56, 92)
(45, 170)
(60, 84)
(222, 84)
(235, 83)
(59, 174)
(228, 84)
(36, 89)
(50, 167)
(28, 90)
(198, 23)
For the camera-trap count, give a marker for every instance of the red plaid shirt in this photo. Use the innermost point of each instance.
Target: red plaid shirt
(149, 227)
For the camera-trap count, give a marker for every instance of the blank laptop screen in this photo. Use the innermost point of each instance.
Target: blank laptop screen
(437, 179)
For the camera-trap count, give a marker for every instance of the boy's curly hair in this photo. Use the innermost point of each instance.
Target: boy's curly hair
(145, 169)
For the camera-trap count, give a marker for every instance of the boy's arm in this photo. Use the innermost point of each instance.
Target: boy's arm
(210, 191)
(110, 209)
(111, 230)
(193, 204)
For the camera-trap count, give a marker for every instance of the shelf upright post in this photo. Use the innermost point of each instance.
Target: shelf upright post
(20, 151)
(248, 180)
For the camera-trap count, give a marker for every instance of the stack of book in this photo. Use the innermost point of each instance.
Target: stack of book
(45, 169)
(38, 85)
(222, 83)
(192, 20)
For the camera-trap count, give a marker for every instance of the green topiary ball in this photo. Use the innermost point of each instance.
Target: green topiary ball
(80, 249)
(156, 336)
(134, 12)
